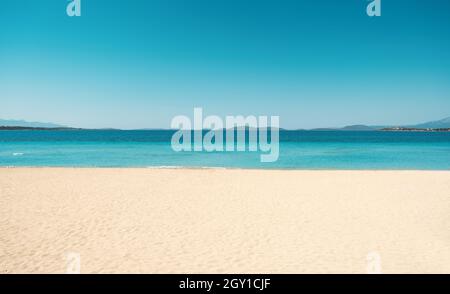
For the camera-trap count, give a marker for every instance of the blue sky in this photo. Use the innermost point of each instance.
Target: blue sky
(136, 64)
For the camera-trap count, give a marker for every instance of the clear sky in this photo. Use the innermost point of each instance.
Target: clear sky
(136, 64)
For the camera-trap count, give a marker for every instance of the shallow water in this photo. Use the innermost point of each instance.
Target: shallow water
(298, 150)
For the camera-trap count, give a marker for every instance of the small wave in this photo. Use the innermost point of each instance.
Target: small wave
(185, 167)
(17, 154)
(166, 167)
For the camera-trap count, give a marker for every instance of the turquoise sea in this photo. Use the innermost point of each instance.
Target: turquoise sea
(298, 150)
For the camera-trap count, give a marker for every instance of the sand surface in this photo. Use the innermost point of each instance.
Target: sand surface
(223, 221)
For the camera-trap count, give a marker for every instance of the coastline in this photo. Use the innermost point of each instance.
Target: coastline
(288, 169)
(189, 220)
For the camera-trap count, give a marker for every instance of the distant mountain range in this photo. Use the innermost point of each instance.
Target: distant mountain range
(349, 128)
(438, 124)
(27, 124)
(443, 123)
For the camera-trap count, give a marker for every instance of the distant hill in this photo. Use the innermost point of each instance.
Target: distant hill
(348, 128)
(358, 128)
(438, 124)
(27, 124)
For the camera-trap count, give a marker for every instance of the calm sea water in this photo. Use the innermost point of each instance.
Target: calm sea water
(298, 150)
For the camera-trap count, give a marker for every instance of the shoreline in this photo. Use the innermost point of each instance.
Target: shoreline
(222, 168)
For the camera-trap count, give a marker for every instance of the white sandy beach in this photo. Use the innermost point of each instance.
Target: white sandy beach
(223, 221)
